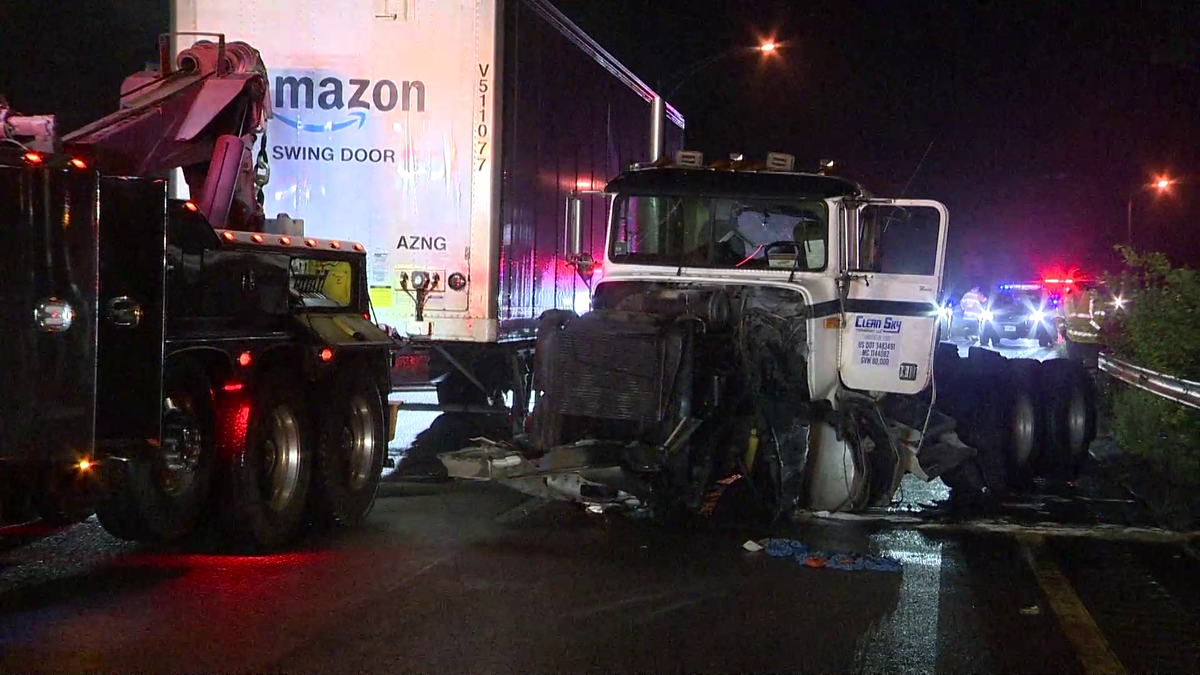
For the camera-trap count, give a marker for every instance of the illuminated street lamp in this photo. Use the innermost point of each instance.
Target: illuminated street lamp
(1162, 184)
(766, 49)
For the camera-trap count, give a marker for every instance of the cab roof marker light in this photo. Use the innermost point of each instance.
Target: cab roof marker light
(33, 158)
(191, 206)
(779, 161)
(258, 238)
(229, 236)
(691, 159)
(335, 244)
(311, 243)
(285, 241)
(78, 163)
(358, 246)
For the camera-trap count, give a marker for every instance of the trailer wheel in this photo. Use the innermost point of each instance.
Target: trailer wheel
(162, 495)
(1027, 420)
(1070, 417)
(351, 447)
(269, 476)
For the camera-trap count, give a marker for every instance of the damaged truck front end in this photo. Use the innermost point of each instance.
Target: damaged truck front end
(748, 338)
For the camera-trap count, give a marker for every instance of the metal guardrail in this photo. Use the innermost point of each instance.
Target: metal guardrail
(1185, 392)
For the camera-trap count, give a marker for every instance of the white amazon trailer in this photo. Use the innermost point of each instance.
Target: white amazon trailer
(447, 137)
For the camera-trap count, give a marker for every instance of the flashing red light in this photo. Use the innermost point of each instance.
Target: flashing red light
(335, 244)
(245, 359)
(33, 158)
(258, 239)
(326, 354)
(233, 386)
(78, 163)
(229, 236)
(1068, 281)
(358, 246)
(285, 241)
(1052, 281)
(191, 206)
(311, 243)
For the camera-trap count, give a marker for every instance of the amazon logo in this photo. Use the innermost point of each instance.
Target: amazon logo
(356, 96)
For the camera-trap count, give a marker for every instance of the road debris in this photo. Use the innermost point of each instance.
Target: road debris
(849, 562)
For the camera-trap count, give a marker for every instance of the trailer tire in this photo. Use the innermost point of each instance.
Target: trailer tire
(1027, 421)
(351, 446)
(1070, 406)
(269, 475)
(164, 496)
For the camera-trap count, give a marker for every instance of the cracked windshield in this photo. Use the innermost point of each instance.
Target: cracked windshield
(710, 232)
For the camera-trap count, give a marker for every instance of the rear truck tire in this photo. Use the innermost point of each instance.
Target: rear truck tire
(1027, 431)
(162, 494)
(351, 446)
(1070, 409)
(982, 409)
(269, 475)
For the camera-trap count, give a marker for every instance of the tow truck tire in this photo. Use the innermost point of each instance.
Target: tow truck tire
(1070, 407)
(162, 497)
(268, 480)
(351, 446)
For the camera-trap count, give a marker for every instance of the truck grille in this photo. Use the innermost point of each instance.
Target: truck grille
(608, 375)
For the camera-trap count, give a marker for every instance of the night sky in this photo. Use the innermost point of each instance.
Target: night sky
(1042, 116)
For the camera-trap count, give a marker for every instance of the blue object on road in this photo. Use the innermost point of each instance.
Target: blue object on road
(848, 562)
(786, 548)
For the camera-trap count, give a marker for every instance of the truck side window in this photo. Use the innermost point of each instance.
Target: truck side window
(898, 240)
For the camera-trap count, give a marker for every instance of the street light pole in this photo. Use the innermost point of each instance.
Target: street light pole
(1161, 184)
(765, 48)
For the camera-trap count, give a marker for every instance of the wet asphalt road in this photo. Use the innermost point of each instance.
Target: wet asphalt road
(474, 578)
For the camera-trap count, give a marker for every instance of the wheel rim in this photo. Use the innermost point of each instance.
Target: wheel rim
(1024, 429)
(181, 446)
(359, 444)
(281, 457)
(1077, 421)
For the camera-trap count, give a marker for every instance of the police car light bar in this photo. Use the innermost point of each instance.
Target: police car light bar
(1020, 287)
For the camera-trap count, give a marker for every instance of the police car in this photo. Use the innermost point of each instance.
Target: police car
(1018, 312)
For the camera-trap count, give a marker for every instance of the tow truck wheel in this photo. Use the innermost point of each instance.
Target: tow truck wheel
(269, 478)
(351, 447)
(163, 494)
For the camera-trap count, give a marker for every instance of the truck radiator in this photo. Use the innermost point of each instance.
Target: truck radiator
(608, 374)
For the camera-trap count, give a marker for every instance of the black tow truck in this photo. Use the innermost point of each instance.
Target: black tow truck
(169, 361)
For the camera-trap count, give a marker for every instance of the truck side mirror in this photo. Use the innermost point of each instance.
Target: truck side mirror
(576, 248)
(574, 239)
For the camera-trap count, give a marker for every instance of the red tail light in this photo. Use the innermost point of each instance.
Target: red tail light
(244, 359)
(326, 354)
(233, 386)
